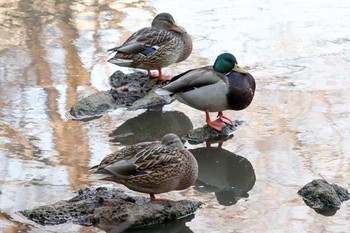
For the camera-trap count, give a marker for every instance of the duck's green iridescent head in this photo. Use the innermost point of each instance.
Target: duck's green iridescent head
(226, 62)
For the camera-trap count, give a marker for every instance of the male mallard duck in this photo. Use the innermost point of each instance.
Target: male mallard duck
(150, 167)
(155, 47)
(214, 89)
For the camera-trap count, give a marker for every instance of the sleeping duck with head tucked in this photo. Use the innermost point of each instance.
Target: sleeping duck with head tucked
(150, 167)
(155, 47)
(223, 86)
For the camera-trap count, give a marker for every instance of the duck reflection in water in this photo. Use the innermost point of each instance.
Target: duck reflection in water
(150, 126)
(228, 175)
(175, 226)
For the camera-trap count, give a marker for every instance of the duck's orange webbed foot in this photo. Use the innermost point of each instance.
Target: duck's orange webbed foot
(225, 119)
(217, 124)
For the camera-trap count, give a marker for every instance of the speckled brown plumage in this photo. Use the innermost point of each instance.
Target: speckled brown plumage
(151, 167)
(155, 47)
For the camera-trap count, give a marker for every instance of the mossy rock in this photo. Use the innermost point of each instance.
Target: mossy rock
(323, 197)
(210, 135)
(104, 206)
(131, 91)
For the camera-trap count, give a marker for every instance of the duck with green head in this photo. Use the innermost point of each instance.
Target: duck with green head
(223, 86)
(155, 47)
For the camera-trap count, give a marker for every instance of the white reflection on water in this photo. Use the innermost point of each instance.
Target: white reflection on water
(295, 42)
(297, 128)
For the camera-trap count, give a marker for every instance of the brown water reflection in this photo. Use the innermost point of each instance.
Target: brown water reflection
(53, 53)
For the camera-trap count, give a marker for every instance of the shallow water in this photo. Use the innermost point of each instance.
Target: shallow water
(53, 53)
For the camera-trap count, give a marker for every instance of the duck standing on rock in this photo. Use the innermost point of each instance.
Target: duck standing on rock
(150, 167)
(223, 86)
(155, 47)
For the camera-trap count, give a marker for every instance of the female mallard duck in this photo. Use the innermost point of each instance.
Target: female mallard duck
(155, 47)
(214, 89)
(150, 167)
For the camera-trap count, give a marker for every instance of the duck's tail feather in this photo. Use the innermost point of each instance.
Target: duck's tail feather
(99, 176)
(162, 92)
(102, 174)
(115, 49)
(120, 62)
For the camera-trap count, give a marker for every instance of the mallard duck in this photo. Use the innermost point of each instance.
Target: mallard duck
(150, 167)
(216, 88)
(155, 47)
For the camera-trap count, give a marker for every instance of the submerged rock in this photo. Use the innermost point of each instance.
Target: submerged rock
(323, 197)
(210, 135)
(111, 207)
(133, 91)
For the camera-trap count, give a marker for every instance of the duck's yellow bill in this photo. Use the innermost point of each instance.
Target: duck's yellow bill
(238, 69)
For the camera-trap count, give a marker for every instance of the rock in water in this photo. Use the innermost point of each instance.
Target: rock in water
(92, 106)
(210, 135)
(111, 207)
(133, 91)
(136, 91)
(323, 197)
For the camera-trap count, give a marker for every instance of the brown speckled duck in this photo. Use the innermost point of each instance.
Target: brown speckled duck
(155, 47)
(150, 167)
(223, 86)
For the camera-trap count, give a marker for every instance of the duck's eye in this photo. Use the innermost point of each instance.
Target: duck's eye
(168, 21)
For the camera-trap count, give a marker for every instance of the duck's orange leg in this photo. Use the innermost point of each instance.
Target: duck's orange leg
(208, 144)
(218, 125)
(153, 198)
(225, 119)
(160, 75)
(151, 75)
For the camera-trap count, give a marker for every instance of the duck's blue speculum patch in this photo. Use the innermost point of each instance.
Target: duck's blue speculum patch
(148, 51)
(139, 173)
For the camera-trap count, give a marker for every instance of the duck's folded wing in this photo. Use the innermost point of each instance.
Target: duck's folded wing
(193, 79)
(121, 163)
(121, 169)
(156, 157)
(142, 163)
(136, 160)
(144, 40)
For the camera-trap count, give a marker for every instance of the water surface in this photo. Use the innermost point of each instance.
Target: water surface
(53, 53)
